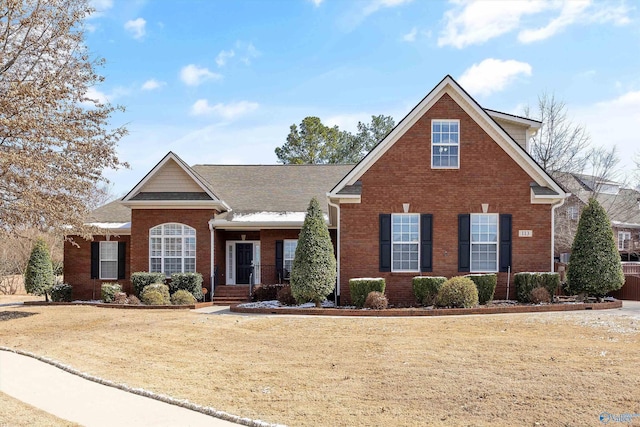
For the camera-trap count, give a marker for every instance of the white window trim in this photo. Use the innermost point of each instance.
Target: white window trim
(573, 213)
(449, 145)
(108, 260)
(162, 236)
(230, 266)
(400, 243)
(497, 243)
(626, 236)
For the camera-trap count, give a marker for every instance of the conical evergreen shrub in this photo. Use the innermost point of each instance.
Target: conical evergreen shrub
(594, 267)
(313, 275)
(39, 278)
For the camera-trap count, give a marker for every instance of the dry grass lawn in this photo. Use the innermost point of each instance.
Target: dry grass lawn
(14, 413)
(548, 369)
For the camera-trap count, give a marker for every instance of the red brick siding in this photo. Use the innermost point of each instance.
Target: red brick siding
(77, 267)
(404, 175)
(142, 220)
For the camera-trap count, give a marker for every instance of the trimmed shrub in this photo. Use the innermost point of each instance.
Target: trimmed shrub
(313, 274)
(539, 295)
(190, 282)
(425, 288)
(376, 301)
(486, 286)
(108, 291)
(38, 277)
(156, 294)
(458, 291)
(526, 282)
(266, 292)
(360, 288)
(141, 279)
(285, 297)
(595, 267)
(182, 297)
(61, 292)
(133, 300)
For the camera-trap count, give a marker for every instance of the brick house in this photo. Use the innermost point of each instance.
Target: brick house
(622, 206)
(450, 190)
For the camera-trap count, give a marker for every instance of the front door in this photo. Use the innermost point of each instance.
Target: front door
(244, 258)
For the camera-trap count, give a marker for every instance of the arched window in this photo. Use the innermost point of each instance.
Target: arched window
(172, 249)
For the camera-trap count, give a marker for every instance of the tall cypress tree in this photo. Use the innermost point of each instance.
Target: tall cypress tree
(39, 278)
(313, 275)
(594, 267)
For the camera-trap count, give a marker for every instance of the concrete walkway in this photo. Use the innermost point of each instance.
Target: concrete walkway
(85, 402)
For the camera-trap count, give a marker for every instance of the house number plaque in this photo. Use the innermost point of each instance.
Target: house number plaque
(525, 233)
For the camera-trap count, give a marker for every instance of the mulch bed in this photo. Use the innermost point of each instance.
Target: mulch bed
(390, 312)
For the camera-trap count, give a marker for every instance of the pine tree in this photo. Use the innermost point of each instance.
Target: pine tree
(594, 267)
(39, 278)
(313, 275)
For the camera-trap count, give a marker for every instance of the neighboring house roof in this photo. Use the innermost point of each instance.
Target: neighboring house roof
(623, 207)
(485, 118)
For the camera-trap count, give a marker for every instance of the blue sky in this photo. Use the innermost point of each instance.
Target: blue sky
(221, 81)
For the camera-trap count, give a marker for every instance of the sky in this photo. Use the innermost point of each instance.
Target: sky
(221, 82)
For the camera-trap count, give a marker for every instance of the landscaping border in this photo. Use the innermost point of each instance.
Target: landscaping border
(397, 312)
(124, 306)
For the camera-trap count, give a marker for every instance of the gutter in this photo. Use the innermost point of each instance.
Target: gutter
(212, 265)
(553, 232)
(337, 206)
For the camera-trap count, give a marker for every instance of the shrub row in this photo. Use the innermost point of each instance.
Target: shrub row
(458, 292)
(266, 292)
(61, 292)
(486, 286)
(108, 291)
(526, 282)
(425, 288)
(190, 282)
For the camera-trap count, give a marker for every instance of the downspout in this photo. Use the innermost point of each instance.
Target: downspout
(553, 233)
(337, 206)
(212, 268)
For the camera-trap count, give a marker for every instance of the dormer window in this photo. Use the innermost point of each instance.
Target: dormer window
(445, 144)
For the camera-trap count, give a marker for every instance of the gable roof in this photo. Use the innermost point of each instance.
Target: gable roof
(206, 199)
(484, 118)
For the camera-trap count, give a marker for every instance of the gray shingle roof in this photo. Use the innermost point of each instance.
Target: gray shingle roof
(111, 212)
(542, 191)
(271, 188)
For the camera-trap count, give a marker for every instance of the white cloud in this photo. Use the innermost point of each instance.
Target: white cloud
(192, 75)
(223, 56)
(96, 95)
(376, 5)
(247, 52)
(227, 111)
(609, 123)
(136, 27)
(492, 75)
(576, 12)
(100, 7)
(152, 84)
(316, 3)
(411, 35)
(475, 22)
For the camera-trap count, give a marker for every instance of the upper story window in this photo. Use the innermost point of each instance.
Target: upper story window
(405, 242)
(573, 213)
(445, 144)
(484, 243)
(624, 239)
(172, 249)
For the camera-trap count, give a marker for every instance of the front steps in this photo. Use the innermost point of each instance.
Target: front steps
(231, 294)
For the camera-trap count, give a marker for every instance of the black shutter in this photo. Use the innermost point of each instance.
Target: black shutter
(426, 242)
(279, 256)
(121, 259)
(505, 242)
(95, 260)
(464, 242)
(385, 242)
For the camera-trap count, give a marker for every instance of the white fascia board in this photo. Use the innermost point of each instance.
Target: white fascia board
(177, 204)
(170, 156)
(123, 228)
(344, 198)
(620, 224)
(532, 124)
(549, 199)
